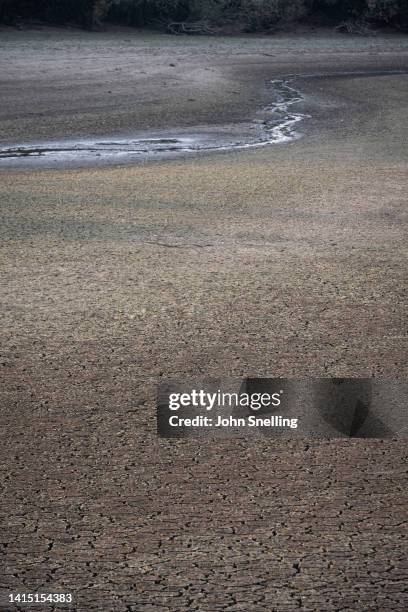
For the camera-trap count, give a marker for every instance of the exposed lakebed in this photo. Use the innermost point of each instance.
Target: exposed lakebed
(276, 123)
(273, 124)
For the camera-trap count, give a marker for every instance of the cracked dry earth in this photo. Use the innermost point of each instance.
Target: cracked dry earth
(287, 262)
(214, 526)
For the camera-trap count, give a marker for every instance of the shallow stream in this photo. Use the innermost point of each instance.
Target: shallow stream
(276, 123)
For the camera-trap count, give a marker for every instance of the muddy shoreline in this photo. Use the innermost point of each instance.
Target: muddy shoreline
(76, 85)
(275, 124)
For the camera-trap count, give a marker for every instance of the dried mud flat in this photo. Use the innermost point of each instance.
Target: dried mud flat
(284, 261)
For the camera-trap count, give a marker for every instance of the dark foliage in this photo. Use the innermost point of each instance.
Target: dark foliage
(252, 15)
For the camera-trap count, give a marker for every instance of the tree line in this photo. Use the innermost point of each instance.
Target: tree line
(251, 15)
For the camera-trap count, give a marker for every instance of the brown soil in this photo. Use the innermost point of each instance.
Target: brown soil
(285, 261)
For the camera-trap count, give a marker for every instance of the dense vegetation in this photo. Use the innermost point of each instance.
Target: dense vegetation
(250, 15)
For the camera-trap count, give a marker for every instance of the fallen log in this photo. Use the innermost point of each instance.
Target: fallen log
(360, 27)
(183, 27)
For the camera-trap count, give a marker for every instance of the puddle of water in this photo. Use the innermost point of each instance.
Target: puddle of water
(273, 124)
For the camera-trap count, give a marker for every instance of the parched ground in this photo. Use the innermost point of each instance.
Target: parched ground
(284, 261)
